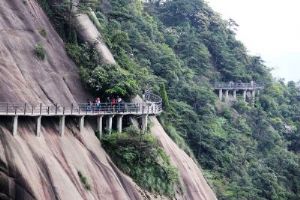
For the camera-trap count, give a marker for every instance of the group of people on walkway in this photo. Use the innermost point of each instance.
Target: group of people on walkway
(111, 102)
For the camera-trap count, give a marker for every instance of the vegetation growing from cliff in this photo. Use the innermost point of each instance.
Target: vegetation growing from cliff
(84, 181)
(246, 152)
(140, 157)
(39, 51)
(101, 78)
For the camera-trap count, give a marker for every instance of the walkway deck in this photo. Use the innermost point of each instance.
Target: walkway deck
(251, 87)
(238, 86)
(152, 106)
(9, 109)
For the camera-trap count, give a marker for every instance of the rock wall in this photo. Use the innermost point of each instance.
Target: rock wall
(47, 167)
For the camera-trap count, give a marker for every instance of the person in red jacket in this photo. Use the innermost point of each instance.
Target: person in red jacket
(113, 103)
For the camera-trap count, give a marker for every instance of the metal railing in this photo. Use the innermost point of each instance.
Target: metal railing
(152, 106)
(239, 86)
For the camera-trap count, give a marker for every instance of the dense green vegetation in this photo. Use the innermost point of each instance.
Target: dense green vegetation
(101, 78)
(246, 152)
(141, 157)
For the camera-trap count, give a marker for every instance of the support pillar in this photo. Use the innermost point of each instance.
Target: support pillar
(81, 124)
(144, 123)
(15, 125)
(244, 95)
(119, 123)
(109, 124)
(38, 126)
(62, 122)
(253, 96)
(226, 95)
(99, 125)
(234, 94)
(221, 94)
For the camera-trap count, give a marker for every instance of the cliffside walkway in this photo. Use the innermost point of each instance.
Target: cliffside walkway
(251, 87)
(152, 105)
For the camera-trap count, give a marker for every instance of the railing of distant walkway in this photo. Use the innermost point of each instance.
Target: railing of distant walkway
(238, 86)
(151, 106)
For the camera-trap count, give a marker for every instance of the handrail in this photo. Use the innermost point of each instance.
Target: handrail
(151, 106)
(150, 97)
(237, 86)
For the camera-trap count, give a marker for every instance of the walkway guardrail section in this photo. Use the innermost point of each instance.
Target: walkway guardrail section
(80, 109)
(238, 86)
(152, 106)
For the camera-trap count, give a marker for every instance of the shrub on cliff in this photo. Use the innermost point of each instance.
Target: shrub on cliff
(141, 158)
(39, 51)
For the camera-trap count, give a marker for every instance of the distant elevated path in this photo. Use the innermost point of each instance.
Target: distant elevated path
(152, 105)
(251, 87)
(238, 86)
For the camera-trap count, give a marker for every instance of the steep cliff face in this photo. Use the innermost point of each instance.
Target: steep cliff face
(23, 76)
(47, 167)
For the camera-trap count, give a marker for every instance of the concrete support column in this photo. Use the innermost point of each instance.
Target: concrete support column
(81, 124)
(253, 96)
(227, 95)
(144, 123)
(109, 124)
(221, 94)
(15, 125)
(245, 95)
(119, 123)
(234, 94)
(38, 125)
(62, 122)
(99, 125)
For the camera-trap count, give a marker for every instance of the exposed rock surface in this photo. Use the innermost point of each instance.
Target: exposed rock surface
(47, 167)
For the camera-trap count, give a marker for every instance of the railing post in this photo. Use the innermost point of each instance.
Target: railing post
(25, 107)
(16, 110)
(32, 110)
(56, 109)
(48, 110)
(7, 108)
(64, 110)
(72, 106)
